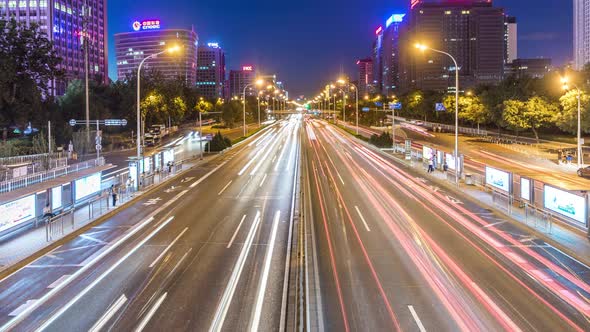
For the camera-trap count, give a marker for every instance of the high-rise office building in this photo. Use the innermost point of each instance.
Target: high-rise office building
(147, 38)
(365, 76)
(377, 57)
(510, 39)
(211, 71)
(64, 23)
(390, 54)
(239, 79)
(581, 33)
(470, 30)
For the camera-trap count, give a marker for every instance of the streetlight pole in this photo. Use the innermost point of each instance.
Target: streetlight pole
(423, 47)
(579, 97)
(244, 113)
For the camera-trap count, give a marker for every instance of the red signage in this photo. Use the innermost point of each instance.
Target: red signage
(247, 68)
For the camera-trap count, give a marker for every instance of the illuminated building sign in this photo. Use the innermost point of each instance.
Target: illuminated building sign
(379, 30)
(213, 45)
(247, 68)
(395, 18)
(146, 25)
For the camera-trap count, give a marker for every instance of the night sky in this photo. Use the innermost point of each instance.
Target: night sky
(307, 42)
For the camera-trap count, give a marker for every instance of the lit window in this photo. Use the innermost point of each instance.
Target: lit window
(448, 12)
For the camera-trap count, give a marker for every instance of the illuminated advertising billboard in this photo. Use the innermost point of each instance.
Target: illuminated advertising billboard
(146, 25)
(450, 160)
(87, 186)
(55, 198)
(525, 189)
(498, 179)
(565, 204)
(17, 212)
(427, 153)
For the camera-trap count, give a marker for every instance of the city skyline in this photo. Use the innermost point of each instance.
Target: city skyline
(317, 53)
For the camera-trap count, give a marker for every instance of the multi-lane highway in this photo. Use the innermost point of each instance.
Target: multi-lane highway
(388, 250)
(207, 251)
(381, 249)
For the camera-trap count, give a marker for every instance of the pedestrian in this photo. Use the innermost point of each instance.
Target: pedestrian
(114, 195)
(169, 167)
(47, 213)
(445, 166)
(570, 158)
(430, 165)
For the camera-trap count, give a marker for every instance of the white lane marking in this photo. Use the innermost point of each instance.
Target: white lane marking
(268, 151)
(362, 218)
(90, 238)
(22, 308)
(263, 179)
(59, 281)
(196, 183)
(167, 248)
(108, 314)
(417, 319)
(227, 185)
(236, 232)
(494, 224)
(228, 294)
(249, 163)
(150, 313)
(265, 271)
(88, 288)
(282, 153)
(338, 173)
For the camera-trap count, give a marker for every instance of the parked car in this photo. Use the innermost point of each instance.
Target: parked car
(584, 172)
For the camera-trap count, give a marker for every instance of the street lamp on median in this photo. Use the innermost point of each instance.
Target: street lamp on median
(423, 48)
(258, 82)
(171, 50)
(565, 81)
(356, 90)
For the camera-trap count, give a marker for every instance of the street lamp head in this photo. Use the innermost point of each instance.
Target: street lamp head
(259, 82)
(332, 86)
(421, 47)
(173, 49)
(341, 81)
(469, 93)
(564, 80)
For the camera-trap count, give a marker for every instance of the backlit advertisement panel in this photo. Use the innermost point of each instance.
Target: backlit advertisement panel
(17, 212)
(450, 160)
(525, 189)
(427, 153)
(498, 179)
(87, 186)
(55, 198)
(565, 204)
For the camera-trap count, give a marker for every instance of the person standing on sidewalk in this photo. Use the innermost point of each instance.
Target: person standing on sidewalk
(47, 213)
(114, 194)
(430, 165)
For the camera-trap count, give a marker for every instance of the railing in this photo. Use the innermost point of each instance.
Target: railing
(32, 168)
(29, 158)
(55, 227)
(10, 185)
(451, 128)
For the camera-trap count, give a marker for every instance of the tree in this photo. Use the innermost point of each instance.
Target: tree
(567, 119)
(533, 114)
(470, 108)
(202, 106)
(231, 113)
(218, 143)
(28, 64)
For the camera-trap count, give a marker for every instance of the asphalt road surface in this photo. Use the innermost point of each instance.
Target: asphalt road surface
(207, 251)
(388, 250)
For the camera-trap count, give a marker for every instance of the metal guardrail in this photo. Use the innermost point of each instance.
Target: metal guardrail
(29, 158)
(451, 128)
(22, 182)
(533, 216)
(32, 168)
(56, 226)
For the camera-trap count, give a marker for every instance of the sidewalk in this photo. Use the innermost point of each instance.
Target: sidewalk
(33, 240)
(565, 238)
